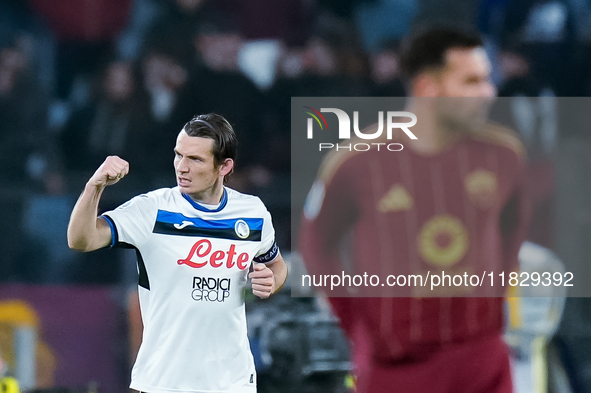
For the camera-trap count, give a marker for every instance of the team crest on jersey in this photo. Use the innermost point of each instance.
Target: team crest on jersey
(241, 228)
(396, 199)
(443, 240)
(482, 188)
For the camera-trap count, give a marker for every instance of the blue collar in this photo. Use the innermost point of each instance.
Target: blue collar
(203, 208)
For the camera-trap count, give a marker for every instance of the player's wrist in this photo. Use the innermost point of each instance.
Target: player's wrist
(278, 282)
(94, 187)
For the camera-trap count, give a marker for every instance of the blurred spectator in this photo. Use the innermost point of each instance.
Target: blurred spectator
(189, 13)
(143, 15)
(150, 19)
(324, 67)
(18, 23)
(217, 85)
(384, 20)
(178, 21)
(530, 108)
(85, 31)
(582, 53)
(321, 68)
(385, 72)
(23, 119)
(217, 46)
(490, 17)
(457, 13)
(104, 126)
(544, 31)
(517, 76)
(582, 19)
(258, 59)
(13, 17)
(165, 101)
(286, 20)
(341, 8)
(29, 163)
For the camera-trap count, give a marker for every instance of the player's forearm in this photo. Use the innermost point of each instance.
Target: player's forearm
(279, 269)
(83, 228)
(85, 231)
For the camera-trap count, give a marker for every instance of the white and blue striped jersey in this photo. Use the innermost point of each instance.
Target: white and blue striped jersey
(193, 264)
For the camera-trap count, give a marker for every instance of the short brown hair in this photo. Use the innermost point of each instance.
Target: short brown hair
(427, 49)
(216, 127)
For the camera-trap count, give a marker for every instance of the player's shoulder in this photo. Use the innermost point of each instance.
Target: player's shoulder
(243, 199)
(157, 196)
(162, 192)
(336, 161)
(499, 136)
(348, 156)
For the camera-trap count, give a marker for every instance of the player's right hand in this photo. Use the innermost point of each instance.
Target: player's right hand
(110, 172)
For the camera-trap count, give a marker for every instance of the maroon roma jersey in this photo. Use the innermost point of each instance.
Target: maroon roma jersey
(462, 210)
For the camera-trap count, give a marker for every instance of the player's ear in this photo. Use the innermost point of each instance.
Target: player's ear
(426, 85)
(226, 167)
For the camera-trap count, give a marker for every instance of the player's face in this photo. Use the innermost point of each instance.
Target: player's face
(466, 78)
(466, 74)
(196, 172)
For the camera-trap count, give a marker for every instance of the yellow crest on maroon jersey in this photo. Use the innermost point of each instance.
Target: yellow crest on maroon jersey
(396, 199)
(482, 186)
(443, 240)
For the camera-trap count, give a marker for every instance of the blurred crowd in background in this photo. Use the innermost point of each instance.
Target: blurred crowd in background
(80, 80)
(84, 79)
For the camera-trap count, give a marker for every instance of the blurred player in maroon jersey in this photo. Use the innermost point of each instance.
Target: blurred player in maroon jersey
(451, 200)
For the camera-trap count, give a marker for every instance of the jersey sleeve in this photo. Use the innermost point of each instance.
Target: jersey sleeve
(269, 249)
(329, 213)
(132, 222)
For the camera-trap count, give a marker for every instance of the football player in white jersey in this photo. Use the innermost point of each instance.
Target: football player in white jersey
(195, 243)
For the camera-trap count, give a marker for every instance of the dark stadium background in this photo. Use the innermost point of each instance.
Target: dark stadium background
(83, 79)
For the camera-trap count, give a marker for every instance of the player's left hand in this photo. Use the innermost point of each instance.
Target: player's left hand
(263, 282)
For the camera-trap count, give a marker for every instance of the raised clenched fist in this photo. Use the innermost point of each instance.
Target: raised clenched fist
(110, 172)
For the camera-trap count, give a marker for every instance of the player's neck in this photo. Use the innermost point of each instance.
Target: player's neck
(210, 196)
(432, 136)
